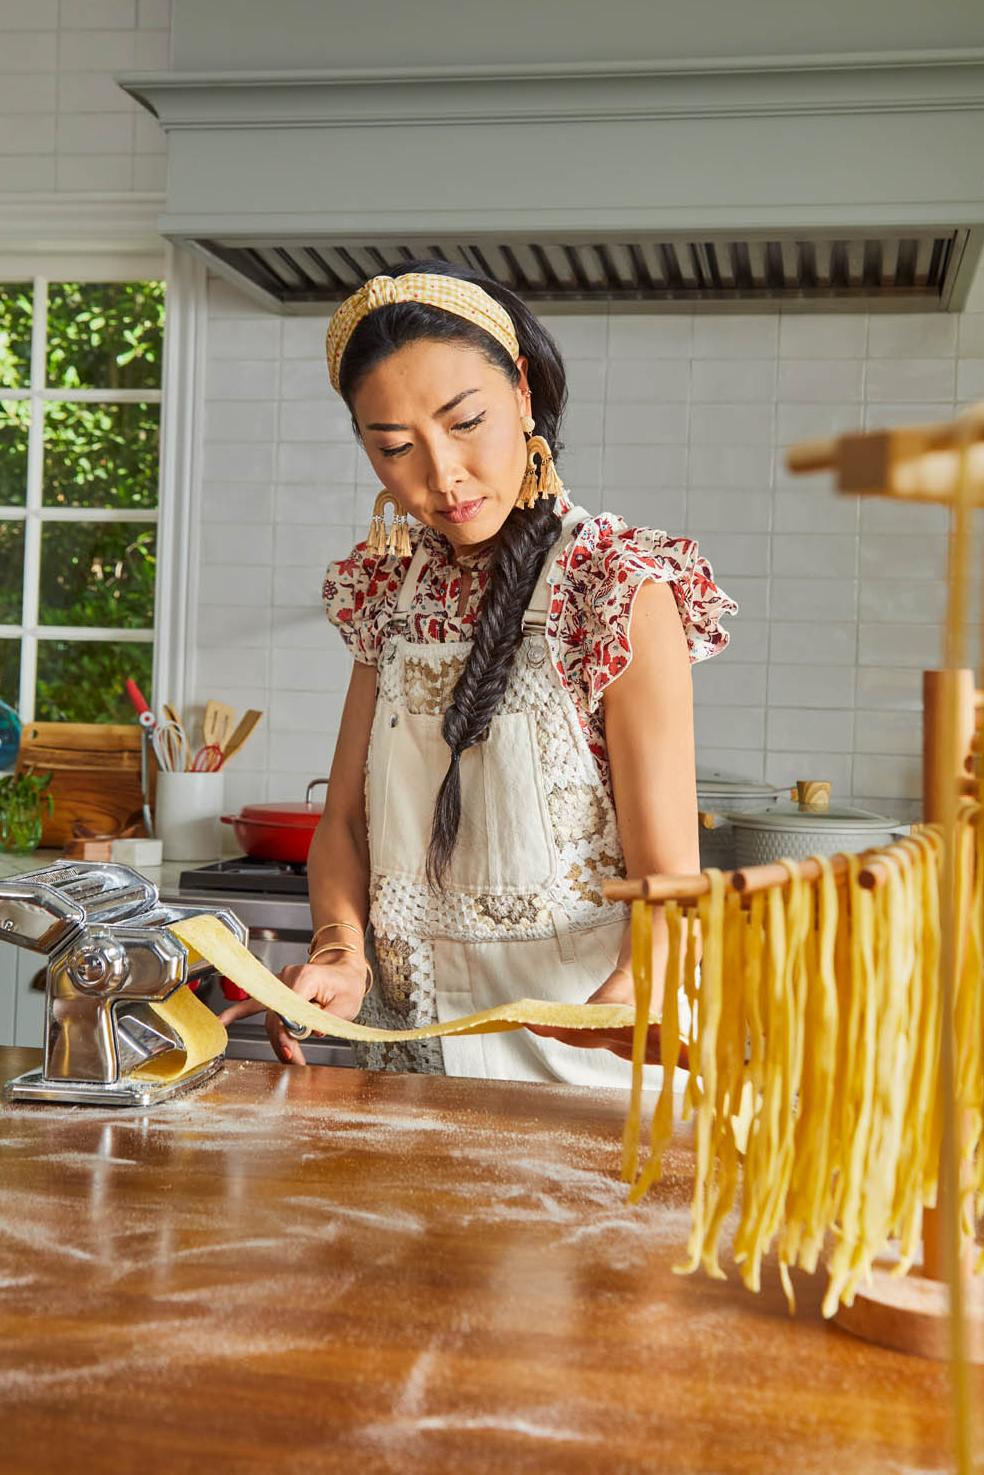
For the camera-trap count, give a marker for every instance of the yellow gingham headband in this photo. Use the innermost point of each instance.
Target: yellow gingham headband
(451, 294)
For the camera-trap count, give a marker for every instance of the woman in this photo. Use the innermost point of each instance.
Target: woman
(518, 725)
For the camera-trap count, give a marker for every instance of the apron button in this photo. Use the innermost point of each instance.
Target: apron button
(536, 655)
(393, 721)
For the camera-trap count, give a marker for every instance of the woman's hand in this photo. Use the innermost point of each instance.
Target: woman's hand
(616, 989)
(339, 987)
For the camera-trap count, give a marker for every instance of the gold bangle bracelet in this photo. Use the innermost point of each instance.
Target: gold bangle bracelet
(327, 926)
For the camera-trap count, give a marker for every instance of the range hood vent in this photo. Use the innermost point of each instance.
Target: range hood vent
(819, 181)
(910, 268)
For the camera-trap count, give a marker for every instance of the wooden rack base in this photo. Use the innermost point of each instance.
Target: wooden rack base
(910, 1313)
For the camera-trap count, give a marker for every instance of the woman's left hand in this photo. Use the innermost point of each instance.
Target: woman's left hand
(616, 989)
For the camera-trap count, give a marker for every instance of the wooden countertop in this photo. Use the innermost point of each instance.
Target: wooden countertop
(324, 1270)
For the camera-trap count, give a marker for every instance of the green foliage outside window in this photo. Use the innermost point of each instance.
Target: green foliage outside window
(100, 336)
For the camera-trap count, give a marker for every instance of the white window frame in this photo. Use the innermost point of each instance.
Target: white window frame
(34, 514)
(172, 633)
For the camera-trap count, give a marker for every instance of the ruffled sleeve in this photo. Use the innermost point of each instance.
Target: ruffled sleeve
(593, 585)
(360, 594)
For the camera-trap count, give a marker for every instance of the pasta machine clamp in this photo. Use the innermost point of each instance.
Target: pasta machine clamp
(103, 930)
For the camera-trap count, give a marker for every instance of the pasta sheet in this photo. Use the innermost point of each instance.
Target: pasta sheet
(206, 937)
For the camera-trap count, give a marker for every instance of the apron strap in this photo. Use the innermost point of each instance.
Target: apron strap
(535, 618)
(412, 579)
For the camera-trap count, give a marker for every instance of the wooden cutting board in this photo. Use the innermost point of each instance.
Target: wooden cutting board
(95, 769)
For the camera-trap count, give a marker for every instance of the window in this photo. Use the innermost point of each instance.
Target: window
(80, 397)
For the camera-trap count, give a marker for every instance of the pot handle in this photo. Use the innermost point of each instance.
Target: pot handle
(261, 824)
(314, 784)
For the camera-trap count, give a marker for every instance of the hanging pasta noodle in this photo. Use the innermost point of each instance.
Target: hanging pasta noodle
(662, 1125)
(642, 976)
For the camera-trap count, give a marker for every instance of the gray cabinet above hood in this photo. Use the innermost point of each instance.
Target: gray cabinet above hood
(818, 181)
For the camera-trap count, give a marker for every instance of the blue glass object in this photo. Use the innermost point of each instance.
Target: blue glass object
(10, 731)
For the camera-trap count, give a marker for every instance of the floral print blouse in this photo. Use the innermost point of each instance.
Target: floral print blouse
(594, 582)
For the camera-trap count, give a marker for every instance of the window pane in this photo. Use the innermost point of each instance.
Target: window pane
(101, 455)
(82, 680)
(15, 335)
(105, 335)
(11, 571)
(10, 672)
(15, 419)
(98, 574)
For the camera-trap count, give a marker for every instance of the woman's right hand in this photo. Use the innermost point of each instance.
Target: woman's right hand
(338, 987)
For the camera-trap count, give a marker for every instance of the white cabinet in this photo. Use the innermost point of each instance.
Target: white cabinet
(21, 1004)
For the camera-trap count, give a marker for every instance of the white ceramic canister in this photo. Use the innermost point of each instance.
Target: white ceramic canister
(721, 794)
(186, 814)
(794, 831)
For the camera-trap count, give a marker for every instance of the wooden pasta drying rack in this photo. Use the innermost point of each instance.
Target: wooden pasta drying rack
(938, 1312)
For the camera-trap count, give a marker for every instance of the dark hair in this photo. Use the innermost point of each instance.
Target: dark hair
(522, 542)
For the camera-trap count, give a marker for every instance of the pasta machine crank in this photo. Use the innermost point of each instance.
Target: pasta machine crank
(103, 930)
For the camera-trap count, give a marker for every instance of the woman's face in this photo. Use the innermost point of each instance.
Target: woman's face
(441, 427)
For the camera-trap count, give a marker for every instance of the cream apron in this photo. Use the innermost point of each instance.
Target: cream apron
(523, 914)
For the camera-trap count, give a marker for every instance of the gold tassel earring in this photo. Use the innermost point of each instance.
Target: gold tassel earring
(540, 478)
(395, 543)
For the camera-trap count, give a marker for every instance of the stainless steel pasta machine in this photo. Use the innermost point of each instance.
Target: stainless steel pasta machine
(110, 957)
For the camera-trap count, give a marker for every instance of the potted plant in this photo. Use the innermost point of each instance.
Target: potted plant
(23, 803)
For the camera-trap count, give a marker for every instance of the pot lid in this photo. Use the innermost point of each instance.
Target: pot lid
(304, 816)
(789, 816)
(713, 784)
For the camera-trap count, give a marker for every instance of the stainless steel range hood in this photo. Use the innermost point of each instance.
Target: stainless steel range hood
(821, 182)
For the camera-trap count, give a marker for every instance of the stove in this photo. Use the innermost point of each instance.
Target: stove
(271, 899)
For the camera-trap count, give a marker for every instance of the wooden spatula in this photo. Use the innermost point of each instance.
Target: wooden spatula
(217, 724)
(247, 722)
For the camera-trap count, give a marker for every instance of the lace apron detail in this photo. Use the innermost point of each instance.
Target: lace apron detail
(523, 911)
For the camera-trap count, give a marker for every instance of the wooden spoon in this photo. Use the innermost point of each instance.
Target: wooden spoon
(217, 724)
(246, 724)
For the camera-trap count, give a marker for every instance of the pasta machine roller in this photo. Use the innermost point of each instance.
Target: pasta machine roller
(103, 930)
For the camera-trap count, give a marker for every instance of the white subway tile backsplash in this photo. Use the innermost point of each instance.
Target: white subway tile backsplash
(316, 504)
(970, 378)
(96, 50)
(650, 336)
(731, 466)
(245, 338)
(898, 645)
(887, 556)
(652, 381)
(834, 381)
(738, 553)
(324, 418)
(728, 511)
(812, 506)
(970, 341)
(814, 599)
(236, 583)
(888, 732)
(735, 762)
(237, 501)
(23, 135)
(101, 172)
(152, 50)
(294, 583)
(28, 51)
(304, 338)
(311, 543)
(743, 727)
(581, 336)
(750, 594)
(918, 600)
(312, 670)
(920, 335)
(889, 380)
(732, 425)
(328, 461)
(890, 688)
(789, 728)
(629, 424)
(29, 15)
(236, 543)
(303, 753)
(823, 556)
(823, 335)
(650, 507)
(232, 666)
(110, 15)
(807, 421)
(884, 515)
(886, 777)
(303, 712)
(727, 683)
(631, 466)
(240, 420)
(742, 336)
(240, 379)
(803, 642)
(725, 381)
(804, 687)
(228, 460)
(749, 638)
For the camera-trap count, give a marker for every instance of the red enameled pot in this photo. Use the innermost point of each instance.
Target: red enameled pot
(278, 831)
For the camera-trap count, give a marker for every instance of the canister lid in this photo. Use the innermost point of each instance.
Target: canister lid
(789, 816)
